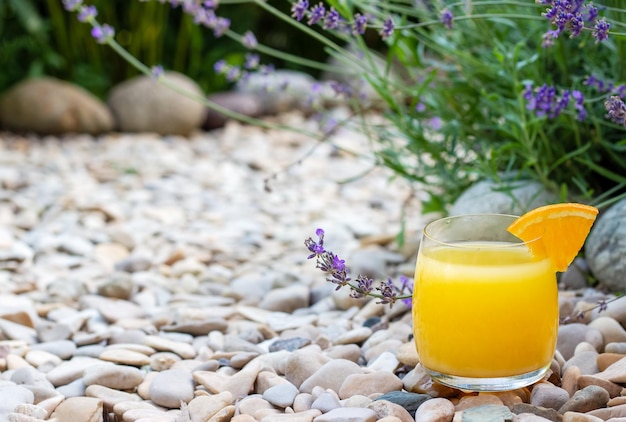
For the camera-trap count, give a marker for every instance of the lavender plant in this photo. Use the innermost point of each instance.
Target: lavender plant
(338, 273)
(470, 89)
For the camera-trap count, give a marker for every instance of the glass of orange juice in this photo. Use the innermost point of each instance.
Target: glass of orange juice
(485, 309)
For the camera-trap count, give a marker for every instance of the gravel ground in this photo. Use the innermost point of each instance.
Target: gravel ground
(148, 278)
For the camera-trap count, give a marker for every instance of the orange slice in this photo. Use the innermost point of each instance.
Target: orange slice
(560, 228)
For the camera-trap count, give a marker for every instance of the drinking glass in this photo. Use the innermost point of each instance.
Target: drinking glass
(485, 309)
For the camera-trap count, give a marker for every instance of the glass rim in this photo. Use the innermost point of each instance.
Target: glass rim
(441, 220)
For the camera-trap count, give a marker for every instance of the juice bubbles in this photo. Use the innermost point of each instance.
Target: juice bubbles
(485, 312)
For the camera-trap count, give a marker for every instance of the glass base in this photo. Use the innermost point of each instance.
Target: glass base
(489, 384)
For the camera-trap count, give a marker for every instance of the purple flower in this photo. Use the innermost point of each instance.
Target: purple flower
(317, 13)
(233, 74)
(266, 69)
(332, 19)
(87, 13)
(339, 264)
(157, 71)
(447, 18)
(592, 13)
(220, 26)
(102, 33)
(576, 25)
(342, 89)
(567, 15)
(205, 17)
(579, 100)
(545, 101)
(364, 286)
(191, 7)
(548, 39)
(435, 123)
(388, 28)
(210, 4)
(601, 30)
(360, 23)
(71, 5)
(616, 109)
(338, 274)
(220, 66)
(249, 40)
(387, 291)
(252, 61)
(316, 248)
(299, 9)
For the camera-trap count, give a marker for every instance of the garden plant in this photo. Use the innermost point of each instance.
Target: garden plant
(470, 89)
(511, 90)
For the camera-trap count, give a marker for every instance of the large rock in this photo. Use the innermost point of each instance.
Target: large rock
(244, 103)
(605, 248)
(515, 197)
(52, 107)
(280, 91)
(142, 104)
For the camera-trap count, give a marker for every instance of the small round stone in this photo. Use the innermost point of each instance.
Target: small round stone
(170, 387)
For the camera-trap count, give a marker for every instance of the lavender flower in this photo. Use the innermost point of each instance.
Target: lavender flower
(316, 14)
(592, 13)
(337, 273)
(102, 33)
(342, 89)
(616, 109)
(446, 18)
(605, 86)
(576, 25)
(601, 30)
(87, 13)
(579, 101)
(220, 26)
(233, 74)
(220, 66)
(210, 4)
(332, 19)
(249, 40)
(72, 5)
(388, 28)
(548, 39)
(387, 292)
(157, 71)
(252, 61)
(205, 17)
(360, 23)
(190, 7)
(544, 101)
(316, 248)
(365, 286)
(299, 9)
(571, 16)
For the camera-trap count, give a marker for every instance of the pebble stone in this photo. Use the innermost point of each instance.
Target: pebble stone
(435, 410)
(171, 387)
(159, 278)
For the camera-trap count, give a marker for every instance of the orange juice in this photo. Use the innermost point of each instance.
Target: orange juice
(484, 309)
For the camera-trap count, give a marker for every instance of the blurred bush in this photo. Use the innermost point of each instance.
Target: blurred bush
(38, 37)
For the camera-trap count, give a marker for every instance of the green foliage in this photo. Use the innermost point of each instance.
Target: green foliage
(471, 79)
(44, 39)
(23, 42)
